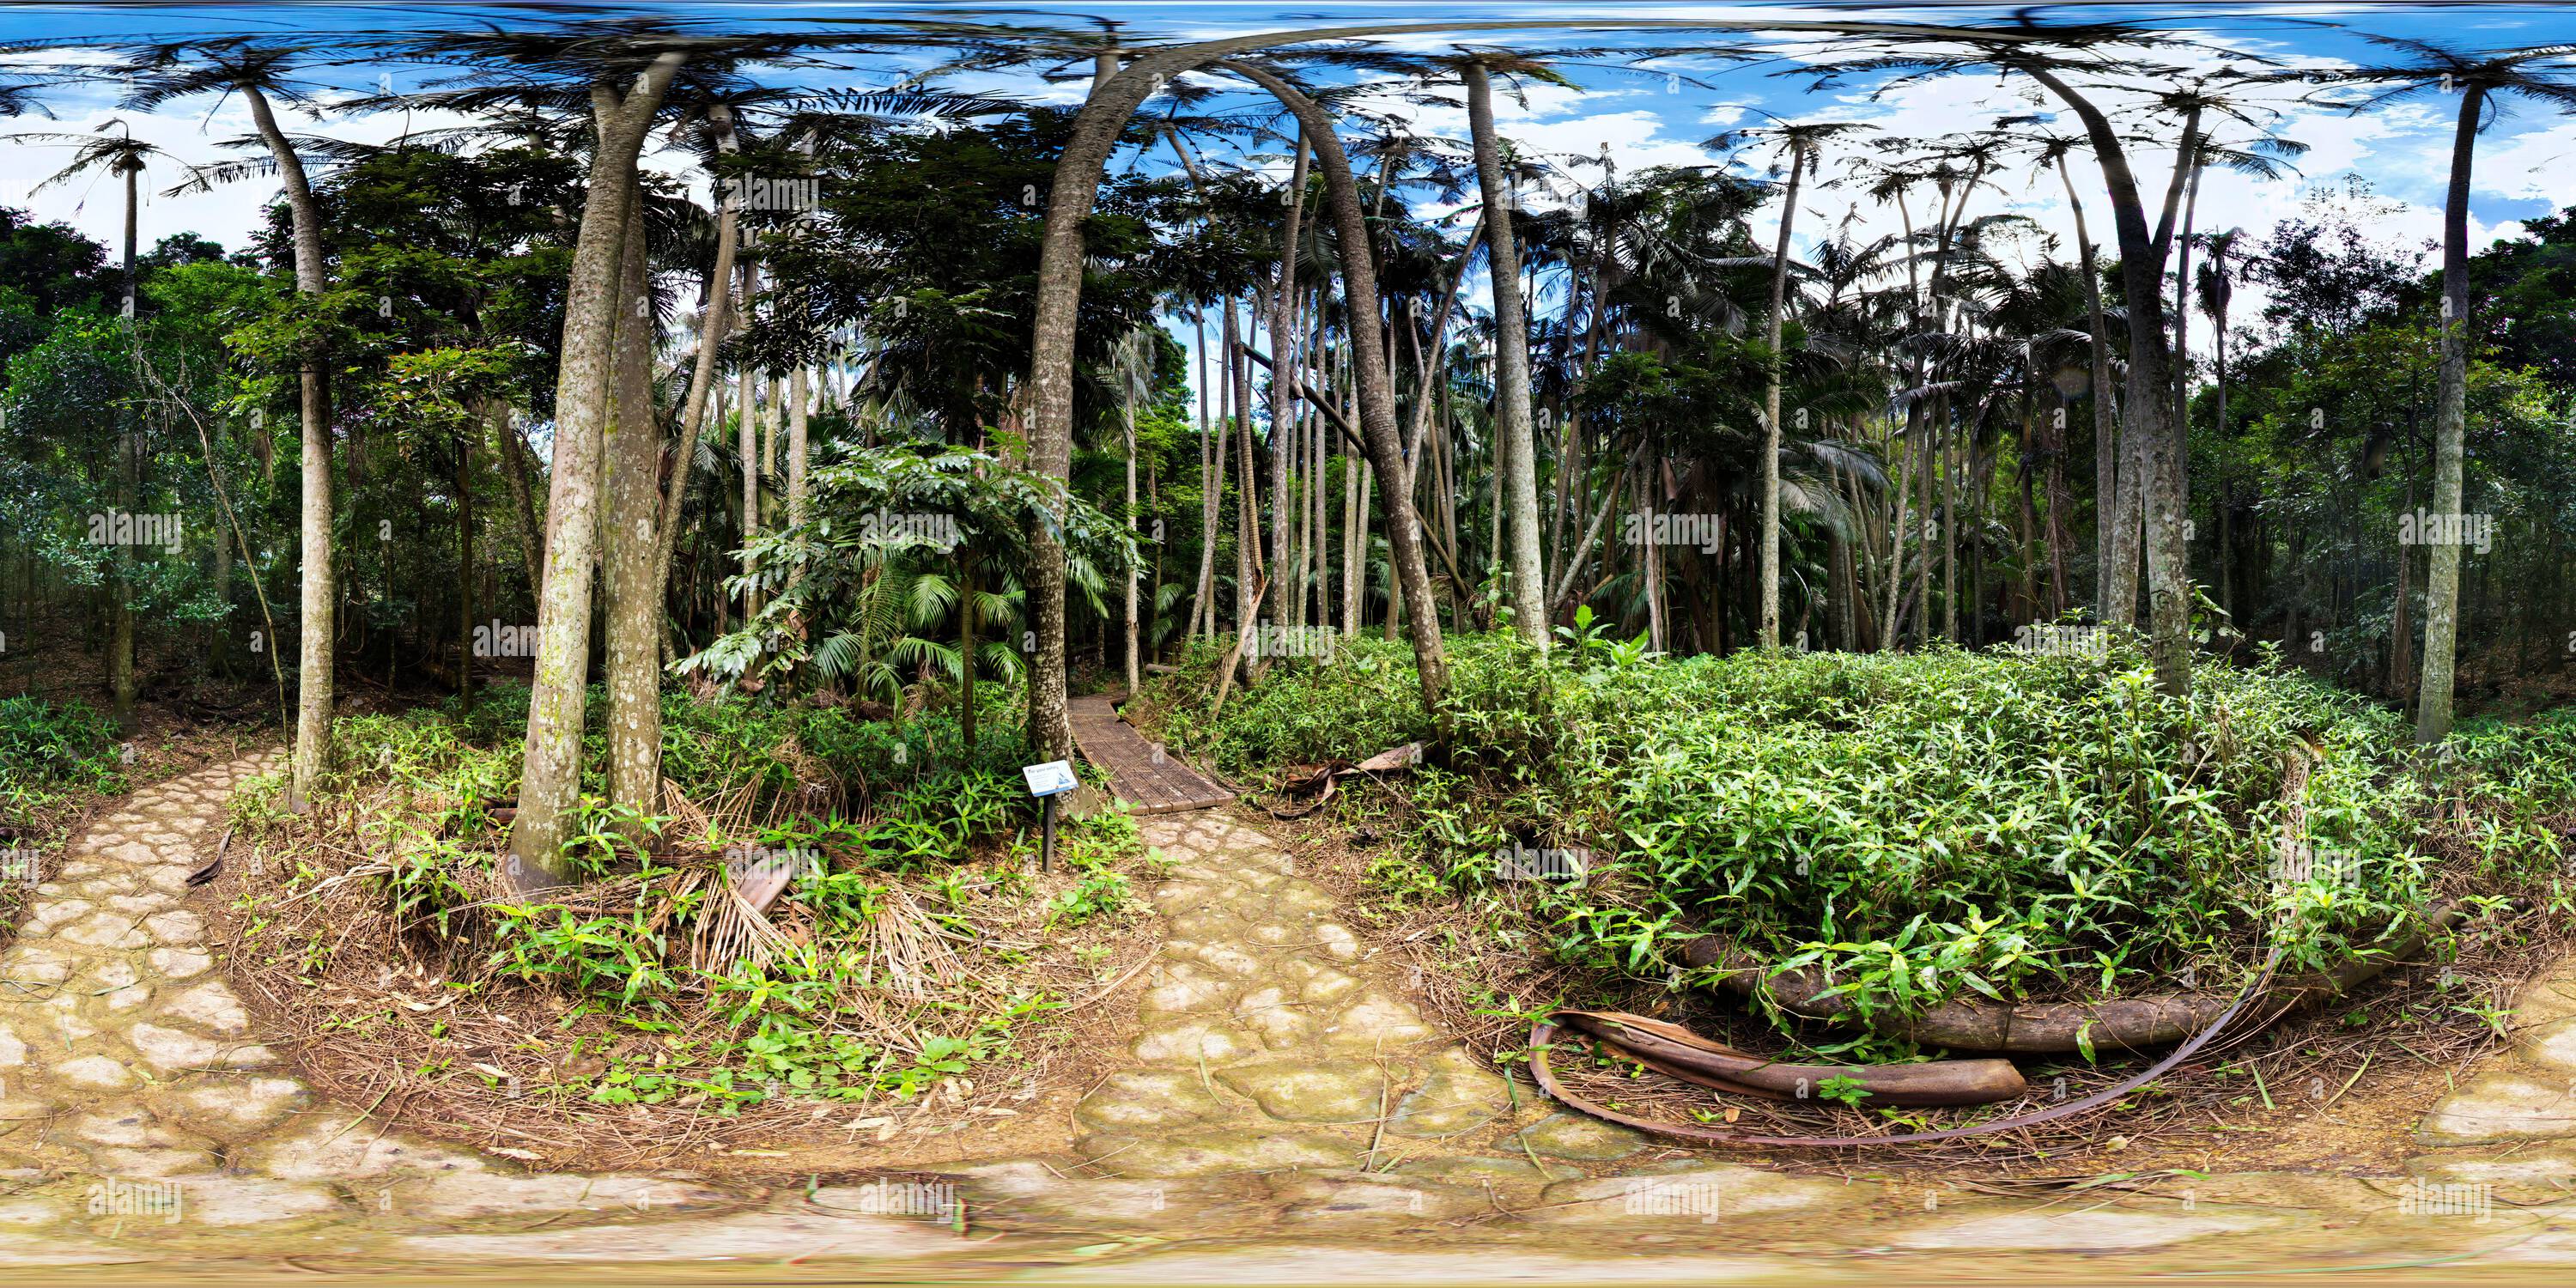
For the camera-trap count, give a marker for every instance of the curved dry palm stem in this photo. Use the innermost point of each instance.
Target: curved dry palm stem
(1369, 370)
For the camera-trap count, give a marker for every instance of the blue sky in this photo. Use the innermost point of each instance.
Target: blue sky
(1642, 116)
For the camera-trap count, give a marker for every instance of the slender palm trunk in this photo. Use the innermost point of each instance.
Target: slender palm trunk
(1134, 671)
(2106, 467)
(316, 636)
(2442, 587)
(1770, 571)
(1211, 483)
(1515, 436)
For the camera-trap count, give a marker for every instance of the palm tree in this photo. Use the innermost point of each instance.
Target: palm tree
(1802, 143)
(1132, 376)
(1513, 429)
(258, 73)
(121, 155)
(126, 157)
(2482, 79)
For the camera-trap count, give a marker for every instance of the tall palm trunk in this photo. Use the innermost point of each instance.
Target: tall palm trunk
(1515, 436)
(133, 201)
(1211, 484)
(1284, 376)
(2450, 419)
(2106, 466)
(1134, 672)
(315, 636)
(705, 385)
(551, 780)
(2157, 451)
(1770, 571)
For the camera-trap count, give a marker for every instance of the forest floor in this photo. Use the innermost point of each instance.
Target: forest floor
(1281, 1111)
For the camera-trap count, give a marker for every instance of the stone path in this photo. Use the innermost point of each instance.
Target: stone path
(1284, 1116)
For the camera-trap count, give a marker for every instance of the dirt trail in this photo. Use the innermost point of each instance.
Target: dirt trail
(1287, 1116)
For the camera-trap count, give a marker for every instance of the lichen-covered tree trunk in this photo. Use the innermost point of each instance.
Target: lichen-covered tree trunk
(632, 452)
(551, 778)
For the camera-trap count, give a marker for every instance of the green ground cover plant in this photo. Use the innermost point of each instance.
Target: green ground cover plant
(913, 942)
(1927, 826)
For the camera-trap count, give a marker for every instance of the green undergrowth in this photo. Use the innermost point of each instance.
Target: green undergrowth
(914, 941)
(50, 756)
(53, 759)
(1924, 826)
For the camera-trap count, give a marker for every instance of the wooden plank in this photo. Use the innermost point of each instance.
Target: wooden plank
(1147, 788)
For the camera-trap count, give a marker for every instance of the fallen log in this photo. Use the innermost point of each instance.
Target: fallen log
(2049, 1028)
(1680, 1053)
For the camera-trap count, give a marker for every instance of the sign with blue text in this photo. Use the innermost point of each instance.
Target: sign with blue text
(1053, 778)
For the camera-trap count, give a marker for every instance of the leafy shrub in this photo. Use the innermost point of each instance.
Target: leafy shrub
(1921, 825)
(48, 753)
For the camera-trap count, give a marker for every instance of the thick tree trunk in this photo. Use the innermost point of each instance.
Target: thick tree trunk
(551, 780)
(1513, 432)
(2450, 419)
(632, 452)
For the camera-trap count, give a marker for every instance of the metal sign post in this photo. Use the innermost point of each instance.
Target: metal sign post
(1046, 782)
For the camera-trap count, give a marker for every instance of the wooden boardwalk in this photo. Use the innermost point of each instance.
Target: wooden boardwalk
(1149, 781)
